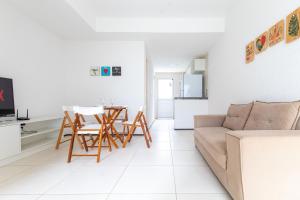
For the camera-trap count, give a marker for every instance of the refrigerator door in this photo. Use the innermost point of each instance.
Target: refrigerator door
(193, 85)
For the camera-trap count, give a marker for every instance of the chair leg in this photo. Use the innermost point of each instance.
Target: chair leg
(71, 147)
(148, 134)
(117, 134)
(61, 131)
(84, 143)
(145, 135)
(147, 129)
(123, 132)
(134, 129)
(127, 129)
(109, 144)
(128, 138)
(109, 137)
(99, 147)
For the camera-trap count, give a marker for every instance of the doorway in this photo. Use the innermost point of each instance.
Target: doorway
(165, 98)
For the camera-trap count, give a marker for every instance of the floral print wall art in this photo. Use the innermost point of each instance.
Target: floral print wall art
(261, 43)
(293, 26)
(290, 29)
(250, 52)
(276, 33)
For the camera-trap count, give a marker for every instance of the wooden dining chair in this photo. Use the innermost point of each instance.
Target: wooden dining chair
(98, 129)
(138, 122)
(112, 117)
(66, 124)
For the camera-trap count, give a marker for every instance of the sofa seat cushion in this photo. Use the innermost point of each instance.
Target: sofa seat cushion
(237, 116)
(213, 140)
(272, 116)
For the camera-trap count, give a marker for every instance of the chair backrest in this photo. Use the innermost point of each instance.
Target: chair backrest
(89, 111)
(68, 108)
(67, 112)
(141, 108)
(139, 115)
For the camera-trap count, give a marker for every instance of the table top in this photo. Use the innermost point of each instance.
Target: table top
(110, 107)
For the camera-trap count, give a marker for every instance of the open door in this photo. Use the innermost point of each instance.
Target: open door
(165, 100)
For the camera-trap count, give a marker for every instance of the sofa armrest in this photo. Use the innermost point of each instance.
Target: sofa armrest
(263, 164)
(208, 120)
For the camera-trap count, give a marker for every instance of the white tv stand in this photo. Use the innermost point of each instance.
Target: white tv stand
(38, 134)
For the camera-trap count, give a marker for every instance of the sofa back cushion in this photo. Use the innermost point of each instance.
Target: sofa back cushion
(237, 116)
(273, 116)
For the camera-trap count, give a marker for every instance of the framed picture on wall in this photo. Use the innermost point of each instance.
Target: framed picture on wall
(293, 26)
(276, 33)
(261, 43)
(250, 53)
(105, 71)
(94, 71)
(116, 71)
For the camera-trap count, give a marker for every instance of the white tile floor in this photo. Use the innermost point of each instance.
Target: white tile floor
(171, 170)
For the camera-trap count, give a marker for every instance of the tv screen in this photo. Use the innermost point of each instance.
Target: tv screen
(7, 105)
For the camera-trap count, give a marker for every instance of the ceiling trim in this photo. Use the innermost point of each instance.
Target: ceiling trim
(161, 25)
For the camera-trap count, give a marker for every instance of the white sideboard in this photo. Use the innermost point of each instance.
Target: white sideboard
(185, 109)
(37, 134)
(10, 142)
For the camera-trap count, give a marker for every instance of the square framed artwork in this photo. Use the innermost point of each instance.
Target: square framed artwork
(116, 71)
(94, 71)
(276, 33)
(250, 52)
(293, 26)
(261, 43)
(105, 71)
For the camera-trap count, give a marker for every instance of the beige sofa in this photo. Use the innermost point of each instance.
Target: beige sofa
(254, 150)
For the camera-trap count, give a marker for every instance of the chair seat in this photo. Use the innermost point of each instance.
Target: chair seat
(90, 129)
(130, 123)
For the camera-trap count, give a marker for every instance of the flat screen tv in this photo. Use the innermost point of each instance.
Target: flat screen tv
(7, 105)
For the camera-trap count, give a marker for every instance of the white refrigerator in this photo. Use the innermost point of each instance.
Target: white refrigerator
(193, 85)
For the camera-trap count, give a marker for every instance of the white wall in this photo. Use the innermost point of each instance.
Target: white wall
(83, 89)
(32, 57)
(150, 92)
(49, 72)
(273, 76)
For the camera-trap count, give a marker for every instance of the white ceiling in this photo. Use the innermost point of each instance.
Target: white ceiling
(176, 53)
(168, 50)
(156, 8)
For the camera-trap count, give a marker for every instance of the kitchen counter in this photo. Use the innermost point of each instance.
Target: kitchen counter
(191, 98)
(185, 109)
